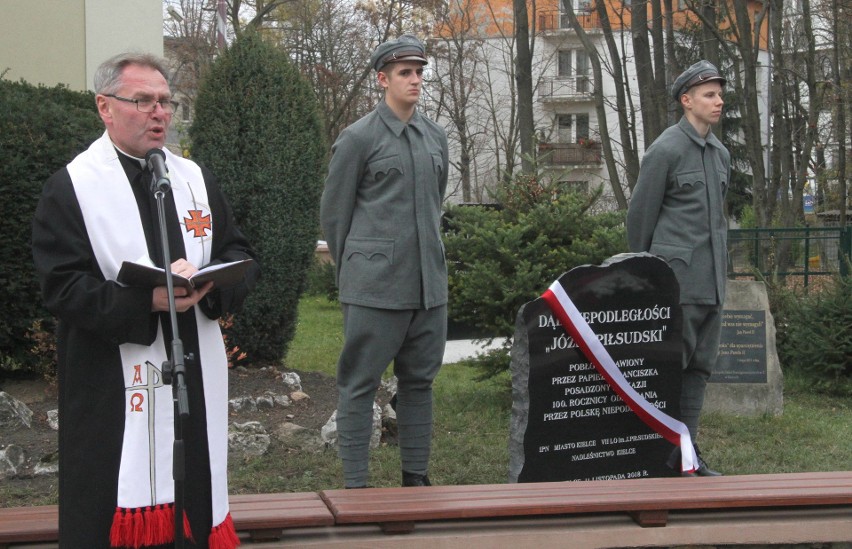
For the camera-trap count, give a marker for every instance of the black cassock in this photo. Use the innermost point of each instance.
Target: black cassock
(95, 317)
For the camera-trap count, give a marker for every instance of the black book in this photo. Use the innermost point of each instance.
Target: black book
(223, 275)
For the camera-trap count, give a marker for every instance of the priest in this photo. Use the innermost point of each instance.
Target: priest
(116, 413)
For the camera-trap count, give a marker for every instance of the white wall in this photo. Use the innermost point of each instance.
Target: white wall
(63, 41)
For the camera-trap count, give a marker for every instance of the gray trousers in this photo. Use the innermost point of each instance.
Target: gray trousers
(414, 340)
(702, 328)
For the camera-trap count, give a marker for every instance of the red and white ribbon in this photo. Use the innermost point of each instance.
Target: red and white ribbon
(669, 428)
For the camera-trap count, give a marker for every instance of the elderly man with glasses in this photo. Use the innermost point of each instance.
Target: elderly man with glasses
(116, 434)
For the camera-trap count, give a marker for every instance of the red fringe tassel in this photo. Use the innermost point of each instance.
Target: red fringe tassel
(187, 531)
(224, 536)
(150, 526)
(138, 528)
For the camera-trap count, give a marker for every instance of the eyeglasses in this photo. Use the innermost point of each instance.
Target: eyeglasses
(147, 105)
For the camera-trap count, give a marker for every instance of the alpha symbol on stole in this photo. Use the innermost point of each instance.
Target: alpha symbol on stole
(142, 391)
(147, 378)
(198, 223)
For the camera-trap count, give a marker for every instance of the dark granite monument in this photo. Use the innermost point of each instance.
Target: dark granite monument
(567, 421)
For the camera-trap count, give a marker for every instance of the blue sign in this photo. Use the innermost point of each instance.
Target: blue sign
(808, 200)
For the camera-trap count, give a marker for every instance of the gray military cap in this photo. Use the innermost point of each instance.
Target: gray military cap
(404, 48)
(699, 73)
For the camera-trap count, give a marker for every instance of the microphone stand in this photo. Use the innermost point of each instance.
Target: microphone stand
(174, 370)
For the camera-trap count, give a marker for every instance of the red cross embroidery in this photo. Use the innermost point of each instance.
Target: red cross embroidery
(198, 223)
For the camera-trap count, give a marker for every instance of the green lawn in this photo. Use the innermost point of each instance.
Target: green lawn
(471, 431)
(472, 424)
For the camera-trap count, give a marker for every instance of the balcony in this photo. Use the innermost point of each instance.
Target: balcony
(560, 88)
(549, 21)
(569, 154)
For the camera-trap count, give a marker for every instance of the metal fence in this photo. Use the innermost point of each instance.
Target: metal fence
(801, 252)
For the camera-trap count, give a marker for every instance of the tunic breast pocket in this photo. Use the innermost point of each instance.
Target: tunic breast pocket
(384, 167)
(438, 164)
(723, 180)
(690, 182)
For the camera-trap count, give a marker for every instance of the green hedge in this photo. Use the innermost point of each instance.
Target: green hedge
(41, 130)
(502, 257)
(258, 129)
(814, 334)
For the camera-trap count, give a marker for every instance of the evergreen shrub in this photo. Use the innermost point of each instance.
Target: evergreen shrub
(41, 130)
(258, 129)
(814, 334)
(321, 280)
(501, 258)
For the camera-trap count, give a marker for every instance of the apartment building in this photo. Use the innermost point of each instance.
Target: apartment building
(568, 128)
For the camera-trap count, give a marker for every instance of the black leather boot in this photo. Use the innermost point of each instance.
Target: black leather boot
(674, 462)
(703, 469)
(415, 479)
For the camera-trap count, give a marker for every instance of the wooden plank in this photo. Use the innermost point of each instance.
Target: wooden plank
(397, 510)
(29, 524)
(264, 516)
(285, 510)
(639, 497)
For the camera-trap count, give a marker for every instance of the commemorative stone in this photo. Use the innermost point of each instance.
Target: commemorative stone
(567, 422)
(747, 379)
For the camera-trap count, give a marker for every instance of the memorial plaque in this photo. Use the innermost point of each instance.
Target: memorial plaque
(568, 423)
(742, 349)
(747, 379)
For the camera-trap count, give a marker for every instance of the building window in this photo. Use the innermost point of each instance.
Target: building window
(577, 186)
(574, 64)
(583, 72)
(578, 5)
(565, 63)
(582, 126)
(571, 128)
(564, 126)
(185, 112)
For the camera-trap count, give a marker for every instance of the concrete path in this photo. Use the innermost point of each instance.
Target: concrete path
(460, 349)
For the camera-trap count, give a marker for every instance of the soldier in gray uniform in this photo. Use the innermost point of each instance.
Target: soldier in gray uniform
(677, 212)
(380, 213)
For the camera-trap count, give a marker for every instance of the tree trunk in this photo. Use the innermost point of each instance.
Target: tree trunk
(746, 43)
(603, 128)
(523, 81)
(814, 107)
(651, 124)
(781, 142)
(840, 103)
(671, 59)
(709, 42)
(661, 96)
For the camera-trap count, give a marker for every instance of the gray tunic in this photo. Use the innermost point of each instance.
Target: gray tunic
(677, 210)
(381, 211)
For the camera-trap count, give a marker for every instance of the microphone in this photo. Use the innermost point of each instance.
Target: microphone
(156, 162)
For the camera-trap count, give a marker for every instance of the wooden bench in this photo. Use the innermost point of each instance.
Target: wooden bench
(28, 524)
(647, 501)
(397, 510)
(263, 516)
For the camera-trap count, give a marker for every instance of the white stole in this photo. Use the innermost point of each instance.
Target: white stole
(115, 231)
